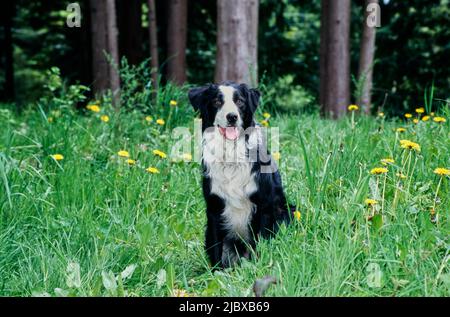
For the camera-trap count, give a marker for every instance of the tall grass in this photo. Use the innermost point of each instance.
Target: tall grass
(91, 224)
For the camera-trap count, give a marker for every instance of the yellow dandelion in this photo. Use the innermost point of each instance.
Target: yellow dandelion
(381, 114)
(416, 121)
(152, 170)
(93, 108)
(149, 118)
(439, 120)
(442, 171)
(266, 115)
(123, 153)
(57, 157)
(353, 108)
(432, 114)
(160, 122)
(409, 145)
(387, 161)
(159, 153)
(425, 118)
(131, 162)
(173, 103)
(370, 202)
(297, 215)
(420, 110)
(400, 175)
(408, 115)
(276, 155)
(186, 157)
(265, 123)
(104, 118)
(378, 171)
(401, 130)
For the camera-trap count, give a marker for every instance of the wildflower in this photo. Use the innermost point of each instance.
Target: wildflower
(439, 120)
(131, 162)
(180, 293)
(442, 171)
(173, 103)
(420, 110)
(160, 122)
(400, 175)
(353, 108)
(152, 170)
(297, 215)
(123, 153)
(93, 108)
(50, 119)
(387, 161)
(187, 157)
(401, 130)
(409, 145)
(276, 155)
(432, 114)
(416, 121)
(149, 119)
(265, 123)
(160, 153)
(104, 118)
(381, 114)
(57, 157)
(425, 118)
(378, 171)
(266, 115)
(408, 115)
(370, 202)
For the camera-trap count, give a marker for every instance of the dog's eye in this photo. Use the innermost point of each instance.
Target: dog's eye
(239, 102)
(217, 103)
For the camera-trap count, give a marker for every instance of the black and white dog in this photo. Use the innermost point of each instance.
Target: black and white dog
(241, 184)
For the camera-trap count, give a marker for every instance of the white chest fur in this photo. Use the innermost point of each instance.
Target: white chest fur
(231, 179)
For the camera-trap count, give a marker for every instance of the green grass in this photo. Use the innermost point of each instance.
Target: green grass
(93, 210)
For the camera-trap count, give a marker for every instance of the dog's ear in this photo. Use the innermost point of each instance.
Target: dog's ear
(252, 95)
(198, 96)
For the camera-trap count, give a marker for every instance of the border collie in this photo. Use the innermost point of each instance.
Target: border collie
(241, 184)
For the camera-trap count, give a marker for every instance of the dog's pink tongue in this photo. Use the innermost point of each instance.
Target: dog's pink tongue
(231, 133)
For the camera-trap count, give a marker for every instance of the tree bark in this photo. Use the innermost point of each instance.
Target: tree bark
(104, 40)
(366, 61)
(130, 30)
(323, 54)
(336, 75)
(176, 41)
(7, 19)
(153, 33)
(237, 41)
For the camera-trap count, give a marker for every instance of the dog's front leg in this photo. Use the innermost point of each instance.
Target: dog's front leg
(214, 238)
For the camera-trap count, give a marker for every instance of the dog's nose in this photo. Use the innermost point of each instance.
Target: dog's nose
(232, 117)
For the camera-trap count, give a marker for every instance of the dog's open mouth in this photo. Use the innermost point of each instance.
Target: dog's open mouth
(231, 133)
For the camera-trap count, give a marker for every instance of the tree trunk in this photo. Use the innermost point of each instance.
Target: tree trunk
(113, 50)
(237, 41)
(130, 30)
(7, 19)
(153, 33)
(176, 41)
(366, 61)
(336, 75)
(104, 40)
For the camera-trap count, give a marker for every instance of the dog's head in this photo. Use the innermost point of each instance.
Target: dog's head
(228, 107)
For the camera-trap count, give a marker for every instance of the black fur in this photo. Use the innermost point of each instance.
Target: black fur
(269, 199)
